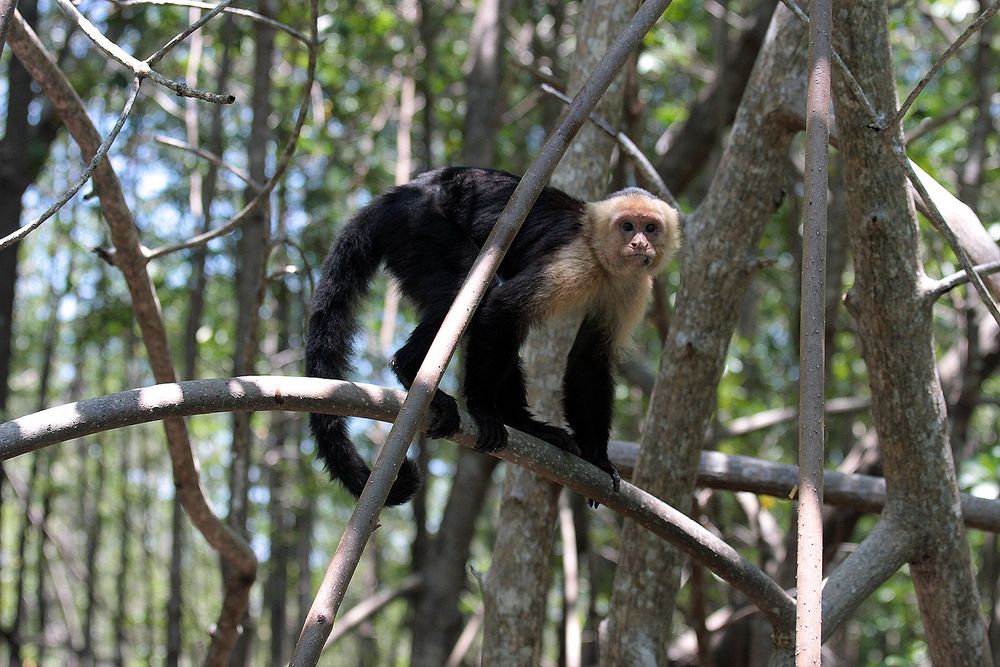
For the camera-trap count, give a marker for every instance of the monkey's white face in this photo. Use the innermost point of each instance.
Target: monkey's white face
(633, 234)
(641, 240)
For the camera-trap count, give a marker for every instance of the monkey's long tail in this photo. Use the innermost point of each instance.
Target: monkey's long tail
(347, 273)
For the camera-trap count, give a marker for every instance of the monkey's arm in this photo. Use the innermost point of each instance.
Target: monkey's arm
(588, 395)
(490, 355)
(494, 381)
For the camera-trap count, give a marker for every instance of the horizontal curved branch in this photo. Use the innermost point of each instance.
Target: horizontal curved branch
(299, 394)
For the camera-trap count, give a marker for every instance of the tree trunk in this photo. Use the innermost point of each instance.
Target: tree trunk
(94, 523)
(252, 250)
(717, 259)
(895, 327)
(279, 503)
(13, 182)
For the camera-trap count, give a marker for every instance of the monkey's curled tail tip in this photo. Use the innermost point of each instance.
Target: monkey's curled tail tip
(406, 484)
(343, 462)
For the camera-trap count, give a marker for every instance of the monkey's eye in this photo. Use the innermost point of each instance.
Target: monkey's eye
(627, 226)
(650, 228)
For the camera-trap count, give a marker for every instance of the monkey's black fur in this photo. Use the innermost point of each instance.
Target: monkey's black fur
(428, 233)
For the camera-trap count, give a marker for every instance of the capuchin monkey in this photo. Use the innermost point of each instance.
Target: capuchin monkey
(569, 258)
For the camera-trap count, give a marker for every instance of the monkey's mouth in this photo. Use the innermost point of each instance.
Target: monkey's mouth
(641, 258)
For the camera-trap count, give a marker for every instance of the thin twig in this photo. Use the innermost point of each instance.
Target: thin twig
(741, 426)
(948, 283)
(465, 639)
(368, 607)
(139, 68)
(855, 86)
(211, 157)
(931, 124)
(641, 161)
(235, 11)
(306, 266)
(181, 36)
(987, 14)
(943, 25)
(102, 151)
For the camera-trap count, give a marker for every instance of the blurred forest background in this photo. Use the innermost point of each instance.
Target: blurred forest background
(98, 565)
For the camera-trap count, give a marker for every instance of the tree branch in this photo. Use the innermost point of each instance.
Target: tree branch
(7, 9)
(252, 393)
(370, 606)
(865, 493)
(184, 34)
(235, 11)
(211, 157)
(626, 144)
(939, 287)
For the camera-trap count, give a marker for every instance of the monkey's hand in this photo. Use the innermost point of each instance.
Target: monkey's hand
(616, 480)
(444, 416)
(492, 432)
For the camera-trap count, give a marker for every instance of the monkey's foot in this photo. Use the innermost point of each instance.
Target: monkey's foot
(616, 480)
(444, 416)
(492, 432)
